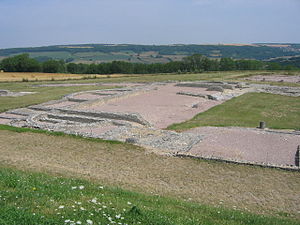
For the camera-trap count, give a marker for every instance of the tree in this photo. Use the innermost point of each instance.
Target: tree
(195, 62)
(54, 66)
(20, 63)
(227, 64)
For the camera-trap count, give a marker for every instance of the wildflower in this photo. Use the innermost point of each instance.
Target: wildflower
(89, 221)
(67, 221)
(61, 207)
(73, 188)
(81, 187)
(34, 188)
(94, 200)
(82, 208)
(129, 203)
(78, 222)
(118, 216)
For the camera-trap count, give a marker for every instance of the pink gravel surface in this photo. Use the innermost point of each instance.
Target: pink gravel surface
(12, 115)
(4, 121)
(246, 144)
(161, 107)
(275, 78)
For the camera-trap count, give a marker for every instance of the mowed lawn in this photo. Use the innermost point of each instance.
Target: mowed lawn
(35, 199)
(279, 112)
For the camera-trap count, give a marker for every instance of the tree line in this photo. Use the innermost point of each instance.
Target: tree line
(195, 63)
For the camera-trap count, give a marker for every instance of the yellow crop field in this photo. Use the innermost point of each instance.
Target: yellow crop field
(18, 76)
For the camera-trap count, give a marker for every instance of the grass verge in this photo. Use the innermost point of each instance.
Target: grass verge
(35, 198)
(279, 112)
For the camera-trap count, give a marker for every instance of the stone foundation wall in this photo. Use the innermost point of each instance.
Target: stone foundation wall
(242, 162)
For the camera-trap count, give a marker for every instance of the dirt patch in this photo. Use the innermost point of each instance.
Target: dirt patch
(242, 187)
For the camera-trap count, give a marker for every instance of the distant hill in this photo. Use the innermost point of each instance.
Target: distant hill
(288, 61)
(97, 53)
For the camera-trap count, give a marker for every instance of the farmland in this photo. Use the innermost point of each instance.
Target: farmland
(98, 53)
(24, 77)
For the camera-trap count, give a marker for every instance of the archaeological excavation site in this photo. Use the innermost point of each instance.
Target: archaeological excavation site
(140, 114)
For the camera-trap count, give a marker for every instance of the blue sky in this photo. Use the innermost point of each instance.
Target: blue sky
(26, 23)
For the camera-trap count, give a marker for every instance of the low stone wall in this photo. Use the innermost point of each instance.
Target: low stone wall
(131, 117)
(7, 93)
(289, 91)
(192, 94)
(206, 85)
(74, 118)
(241, 162)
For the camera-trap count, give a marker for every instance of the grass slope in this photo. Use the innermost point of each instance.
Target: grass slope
(279, 112)
(251, 189)
(35, 198)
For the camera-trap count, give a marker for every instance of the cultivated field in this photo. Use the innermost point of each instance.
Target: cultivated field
(16, 76)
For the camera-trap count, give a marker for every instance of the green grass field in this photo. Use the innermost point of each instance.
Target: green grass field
(279, 112)
(43, 94)
(35, 198)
